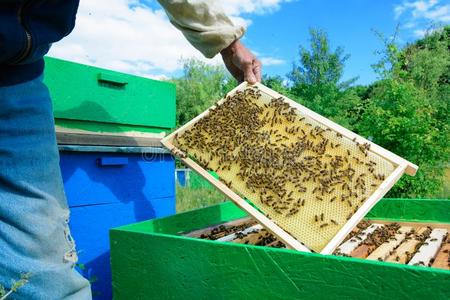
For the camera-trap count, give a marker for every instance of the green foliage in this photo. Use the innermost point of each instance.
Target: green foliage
(199, 87)
(320, 66)
(276, 83)
(316, 81)
(399, 117)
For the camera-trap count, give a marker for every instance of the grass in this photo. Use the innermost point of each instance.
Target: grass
(190, 199)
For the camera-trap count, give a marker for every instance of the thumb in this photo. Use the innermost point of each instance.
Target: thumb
(249, 76)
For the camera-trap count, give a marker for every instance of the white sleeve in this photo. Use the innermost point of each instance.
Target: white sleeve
(203, 23)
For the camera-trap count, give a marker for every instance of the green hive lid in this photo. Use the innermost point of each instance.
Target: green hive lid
(86, 94)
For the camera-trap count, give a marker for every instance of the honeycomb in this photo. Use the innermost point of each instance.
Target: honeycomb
(305, 177)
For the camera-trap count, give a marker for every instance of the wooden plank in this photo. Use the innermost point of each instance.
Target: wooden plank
(428, 251)
(251, 239)
(385, 249)
(402, 253)
(199, 232)
(442, 260)
(273, 243)
(350, 245)
(362, 251)
(67, 136)
(401, 167)
(416, 225)
(233, 236)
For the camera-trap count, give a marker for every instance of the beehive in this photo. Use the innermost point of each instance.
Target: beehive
(303, 172)
(154, 259)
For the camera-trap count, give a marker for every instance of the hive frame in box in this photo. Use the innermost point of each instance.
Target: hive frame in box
(401, 166)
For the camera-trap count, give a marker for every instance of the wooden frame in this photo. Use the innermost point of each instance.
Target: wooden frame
(69, 136)
(402, 166)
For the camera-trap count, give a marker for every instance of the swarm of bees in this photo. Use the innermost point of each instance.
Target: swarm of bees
(301, 174)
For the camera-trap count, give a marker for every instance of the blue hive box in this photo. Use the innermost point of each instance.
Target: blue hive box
(108, 187)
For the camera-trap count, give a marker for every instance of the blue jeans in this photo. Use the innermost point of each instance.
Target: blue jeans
(34, 233)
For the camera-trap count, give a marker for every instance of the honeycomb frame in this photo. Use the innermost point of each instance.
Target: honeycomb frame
(307, 230)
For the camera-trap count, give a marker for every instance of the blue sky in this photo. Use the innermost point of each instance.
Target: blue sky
(135, 36)
(349, 23)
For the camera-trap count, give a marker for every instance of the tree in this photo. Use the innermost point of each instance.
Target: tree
(320, 65)
(316, 80)
(399, 118)
(199, 87)
(276, 83)
(407, 114)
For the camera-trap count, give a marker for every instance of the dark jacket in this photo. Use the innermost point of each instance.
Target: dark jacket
(27, 29)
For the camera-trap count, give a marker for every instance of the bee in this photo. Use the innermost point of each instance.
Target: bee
(334, 222)
(323, 225)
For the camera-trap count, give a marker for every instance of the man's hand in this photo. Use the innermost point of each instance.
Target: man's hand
(241, 63)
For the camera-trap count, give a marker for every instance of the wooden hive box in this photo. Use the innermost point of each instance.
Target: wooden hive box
(87, 98)
(151, 260)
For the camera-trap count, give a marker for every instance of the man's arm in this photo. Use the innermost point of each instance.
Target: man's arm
(209, 30)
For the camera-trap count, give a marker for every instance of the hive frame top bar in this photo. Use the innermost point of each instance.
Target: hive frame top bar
(401, 166)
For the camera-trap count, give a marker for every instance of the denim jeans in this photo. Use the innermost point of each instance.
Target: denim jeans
(34, 233)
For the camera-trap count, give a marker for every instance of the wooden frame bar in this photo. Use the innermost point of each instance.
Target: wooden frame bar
(68, 136)
(401, 166)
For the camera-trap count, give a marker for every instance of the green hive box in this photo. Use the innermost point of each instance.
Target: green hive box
(90, 98)
(150, 261)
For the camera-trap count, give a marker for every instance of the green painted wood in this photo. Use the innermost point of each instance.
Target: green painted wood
(107, 127)
(91, 94)
(412, 210)
(150, 262)
(191, 220)
(168, 267)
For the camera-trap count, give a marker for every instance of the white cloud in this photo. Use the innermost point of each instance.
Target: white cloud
(128, 36)
(441, 14)
(432, 10)
(419, 33)
(271, 61)
(398, 11)
(237, 7)
(420, 17)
